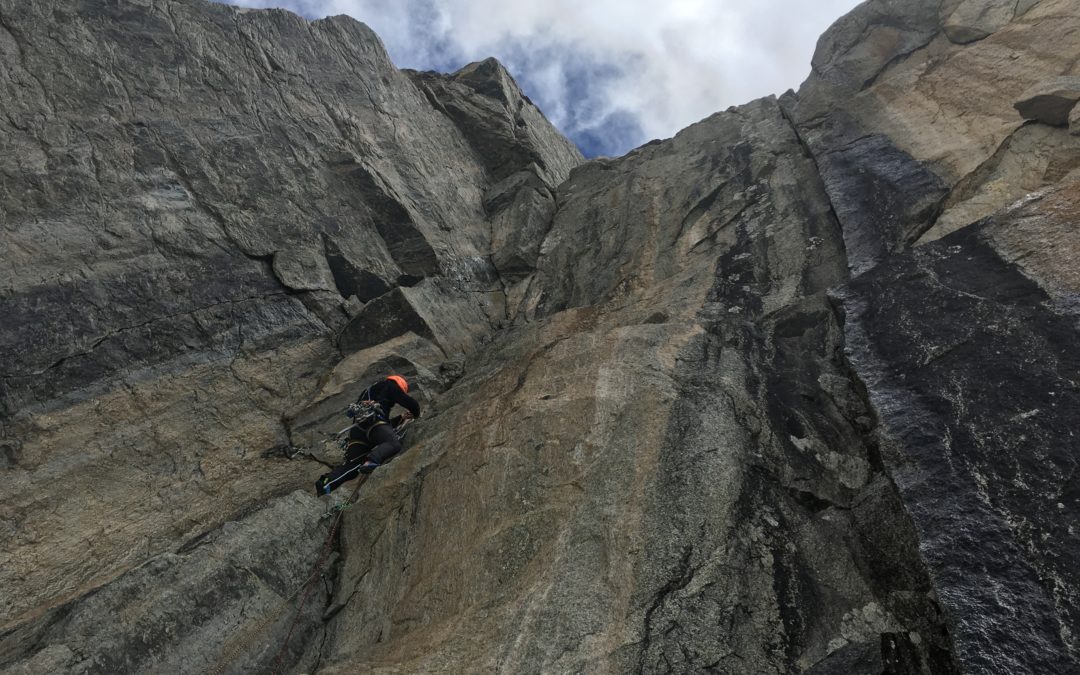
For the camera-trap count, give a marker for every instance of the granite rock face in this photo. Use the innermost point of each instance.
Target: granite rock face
(197, 604)
(198, 205)
(888, 82)
(791, 392)
(641, 485)
(968, 350)
(974, 20)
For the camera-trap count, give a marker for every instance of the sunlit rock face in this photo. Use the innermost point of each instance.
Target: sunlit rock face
(917, 135)
(794, 391)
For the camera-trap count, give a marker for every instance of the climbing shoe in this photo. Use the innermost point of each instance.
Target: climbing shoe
(368, 466)
(321, 488)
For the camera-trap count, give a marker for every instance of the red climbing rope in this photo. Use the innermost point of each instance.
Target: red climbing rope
(243, 641)
(327, 547)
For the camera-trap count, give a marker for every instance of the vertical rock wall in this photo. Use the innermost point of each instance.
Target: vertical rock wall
(964, 342)
(914, 130)
(669, 472)
(756, 398)
(978, 399)
(198, 205)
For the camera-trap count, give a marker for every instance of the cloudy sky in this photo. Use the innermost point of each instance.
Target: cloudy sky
(611, 74)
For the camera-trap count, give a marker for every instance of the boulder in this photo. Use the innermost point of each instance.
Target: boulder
(1050, 101)
(974, 20)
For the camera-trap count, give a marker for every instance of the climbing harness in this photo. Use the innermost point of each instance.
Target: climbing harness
(345, 441)
(364, 412)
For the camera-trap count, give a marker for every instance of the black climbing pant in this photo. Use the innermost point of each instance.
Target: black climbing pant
(378, 444)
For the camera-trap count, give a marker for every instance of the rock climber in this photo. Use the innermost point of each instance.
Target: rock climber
(373, 438)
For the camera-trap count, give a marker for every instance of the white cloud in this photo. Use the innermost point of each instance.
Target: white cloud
(590, 63)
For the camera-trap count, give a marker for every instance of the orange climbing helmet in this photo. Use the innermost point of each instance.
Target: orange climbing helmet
(401, 382)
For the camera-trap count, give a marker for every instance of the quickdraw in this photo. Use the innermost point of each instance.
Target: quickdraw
(292, 452)
(336, 509)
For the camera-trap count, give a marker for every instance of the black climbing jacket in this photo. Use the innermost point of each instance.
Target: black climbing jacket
(386, 393)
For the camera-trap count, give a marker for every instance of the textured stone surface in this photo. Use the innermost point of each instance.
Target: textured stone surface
(1034, 156)
(523, 158)
(195, 201)
(884, 197)
(863, 44)
(181, 612)
(665, 429)
(973, 369)
(507, 132)
(886, 79)
(976, 19)
(638, 483)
